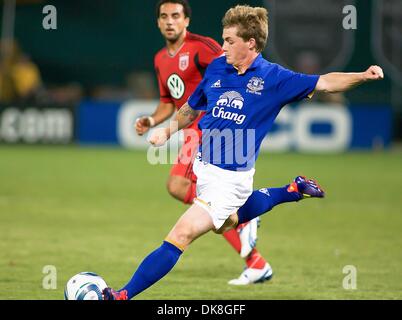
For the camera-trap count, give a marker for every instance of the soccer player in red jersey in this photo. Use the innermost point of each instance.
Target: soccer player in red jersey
(179, 68)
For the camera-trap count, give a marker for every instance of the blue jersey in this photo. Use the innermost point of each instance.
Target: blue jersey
(241, 109)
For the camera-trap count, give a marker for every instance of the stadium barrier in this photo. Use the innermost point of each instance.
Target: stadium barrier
(306, 127)
(312, 127)
(37, 124)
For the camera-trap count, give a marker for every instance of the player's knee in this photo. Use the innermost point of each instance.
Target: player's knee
(171, 186)
(182, 236)
(176, 187)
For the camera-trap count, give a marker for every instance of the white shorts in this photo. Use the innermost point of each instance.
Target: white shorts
(221, 192)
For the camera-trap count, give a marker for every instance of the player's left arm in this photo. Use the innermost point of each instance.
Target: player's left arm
(340, 82)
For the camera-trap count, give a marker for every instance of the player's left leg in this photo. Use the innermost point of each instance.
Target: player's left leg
(263, 200)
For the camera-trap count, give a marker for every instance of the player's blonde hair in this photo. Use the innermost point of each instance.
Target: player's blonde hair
(252, 22)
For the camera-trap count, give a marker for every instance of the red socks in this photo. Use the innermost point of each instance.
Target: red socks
(254, 260)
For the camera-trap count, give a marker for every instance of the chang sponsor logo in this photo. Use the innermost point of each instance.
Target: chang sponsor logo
(230, 99)
(221, 113)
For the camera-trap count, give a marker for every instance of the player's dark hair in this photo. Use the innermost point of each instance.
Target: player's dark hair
(184, 3)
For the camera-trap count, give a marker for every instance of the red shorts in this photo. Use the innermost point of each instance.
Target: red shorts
(185, 159)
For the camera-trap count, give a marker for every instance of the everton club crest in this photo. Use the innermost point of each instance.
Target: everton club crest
(184, 61)
(255, 85)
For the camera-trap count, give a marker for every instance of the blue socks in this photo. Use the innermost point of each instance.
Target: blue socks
(153, 268)
(264, 200)
(159, 262)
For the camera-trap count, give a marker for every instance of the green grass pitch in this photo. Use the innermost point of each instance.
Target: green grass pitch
(103, 210)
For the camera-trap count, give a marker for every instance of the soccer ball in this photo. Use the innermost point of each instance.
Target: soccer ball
(84, 286)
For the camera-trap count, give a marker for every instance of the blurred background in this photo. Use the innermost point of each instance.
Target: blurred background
(70, 83)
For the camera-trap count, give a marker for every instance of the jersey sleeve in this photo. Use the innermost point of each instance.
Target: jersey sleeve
(295, 86)
(164, 93)
(198, 100)
(210, 50)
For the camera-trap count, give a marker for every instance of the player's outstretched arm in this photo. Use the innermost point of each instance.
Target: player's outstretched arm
(163, 112)
(184, 117)
(340, 82)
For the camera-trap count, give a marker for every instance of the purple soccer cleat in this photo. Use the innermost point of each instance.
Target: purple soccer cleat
(308, 188)
(110, 294)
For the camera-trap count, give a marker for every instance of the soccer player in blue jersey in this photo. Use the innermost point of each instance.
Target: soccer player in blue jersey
(242, 94)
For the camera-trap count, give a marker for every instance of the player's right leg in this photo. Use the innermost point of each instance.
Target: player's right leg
(192, 224)
(182, 186)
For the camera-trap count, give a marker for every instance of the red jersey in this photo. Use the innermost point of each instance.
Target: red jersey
(179, 75)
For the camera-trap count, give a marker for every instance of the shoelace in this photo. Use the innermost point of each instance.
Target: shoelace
(314, 184)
